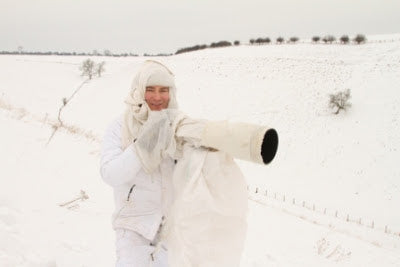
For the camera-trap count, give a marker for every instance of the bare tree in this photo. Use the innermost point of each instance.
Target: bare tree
(259, 40)
(344, 39)
(360, 38)
(100, 68)
(87, 68)
(329, 39)
(280, 40)
(107, 53)
(340, 101)
(293, 39)
(316, 39)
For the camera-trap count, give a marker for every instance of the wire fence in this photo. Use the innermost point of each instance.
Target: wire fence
(333, 213)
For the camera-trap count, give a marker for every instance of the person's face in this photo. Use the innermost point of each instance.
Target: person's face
(157, 97)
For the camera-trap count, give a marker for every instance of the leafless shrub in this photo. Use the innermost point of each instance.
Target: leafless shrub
(5, 105)
(340, 101)
(100, 68)
(87, 68)
(72, 204)
(21, 113)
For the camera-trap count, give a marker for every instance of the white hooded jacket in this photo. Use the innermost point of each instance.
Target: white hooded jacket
(141, 199)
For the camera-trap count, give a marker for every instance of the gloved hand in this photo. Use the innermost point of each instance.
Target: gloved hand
(155, 140)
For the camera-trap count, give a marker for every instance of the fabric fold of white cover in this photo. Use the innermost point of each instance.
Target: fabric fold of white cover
(206, 225)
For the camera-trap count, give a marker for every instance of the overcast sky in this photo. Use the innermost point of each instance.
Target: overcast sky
(164, 26)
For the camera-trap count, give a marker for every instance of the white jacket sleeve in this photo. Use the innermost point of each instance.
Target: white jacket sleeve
(117, 166)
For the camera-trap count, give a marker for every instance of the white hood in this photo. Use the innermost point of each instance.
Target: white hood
(137, 111)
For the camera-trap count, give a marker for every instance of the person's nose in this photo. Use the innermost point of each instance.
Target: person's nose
(157, 96)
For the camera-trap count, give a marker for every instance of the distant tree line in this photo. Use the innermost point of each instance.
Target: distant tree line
(157, 55)
(204, 46)
(106, 53)
(344, 39)
(260, 41)
(191, 48)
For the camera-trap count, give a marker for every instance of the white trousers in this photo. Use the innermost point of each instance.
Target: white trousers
(133, 250)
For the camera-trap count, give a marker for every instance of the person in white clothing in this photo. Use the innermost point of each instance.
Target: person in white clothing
(175, 183)
(141, 198)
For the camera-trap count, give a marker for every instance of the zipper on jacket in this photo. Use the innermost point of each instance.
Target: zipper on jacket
(130, 192)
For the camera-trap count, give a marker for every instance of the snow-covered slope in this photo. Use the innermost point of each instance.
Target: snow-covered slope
(342, 166)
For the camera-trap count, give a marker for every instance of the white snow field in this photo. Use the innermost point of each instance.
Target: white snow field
(331, 197)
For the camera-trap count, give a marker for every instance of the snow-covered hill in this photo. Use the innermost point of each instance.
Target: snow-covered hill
(339, 167)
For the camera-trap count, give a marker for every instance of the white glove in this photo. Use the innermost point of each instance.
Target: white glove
(155, 137)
